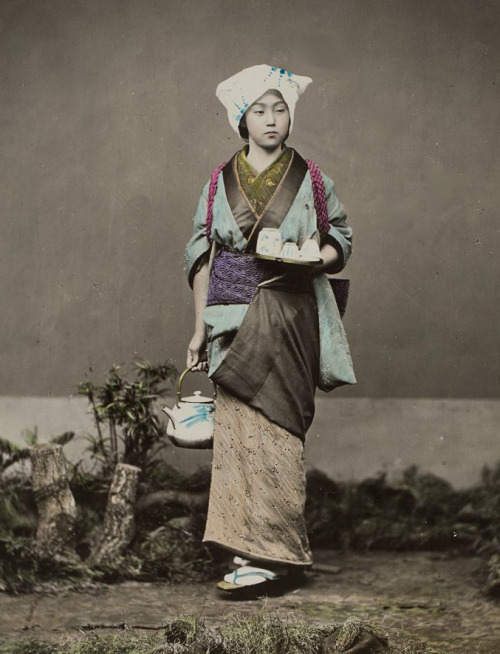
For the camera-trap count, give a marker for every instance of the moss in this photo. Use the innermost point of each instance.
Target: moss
(268, 634)
(260, 633)
(417, 647)
(31, 646)
(92, 644)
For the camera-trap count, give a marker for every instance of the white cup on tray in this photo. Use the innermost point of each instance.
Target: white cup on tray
(290, 251)
(310, 250)
(269, 242)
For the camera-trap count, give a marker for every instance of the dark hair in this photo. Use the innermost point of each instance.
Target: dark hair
(243, 129)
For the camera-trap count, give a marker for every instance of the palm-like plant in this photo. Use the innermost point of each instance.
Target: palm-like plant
(11, 452)
(128, 429)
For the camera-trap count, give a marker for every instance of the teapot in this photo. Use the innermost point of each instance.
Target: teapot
(192, 419)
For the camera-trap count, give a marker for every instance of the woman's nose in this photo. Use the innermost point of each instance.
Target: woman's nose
(270, 120)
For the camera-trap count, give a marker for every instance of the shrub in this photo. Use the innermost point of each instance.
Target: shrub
(128, 429)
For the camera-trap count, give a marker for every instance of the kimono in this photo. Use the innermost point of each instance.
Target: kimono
(273, 336)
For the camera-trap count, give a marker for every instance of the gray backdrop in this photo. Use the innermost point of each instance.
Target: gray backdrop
(110, 127)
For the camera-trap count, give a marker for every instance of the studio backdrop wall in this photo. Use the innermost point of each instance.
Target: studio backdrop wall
(110, 128)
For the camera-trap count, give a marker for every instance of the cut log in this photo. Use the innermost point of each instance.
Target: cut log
(55, 533)
(492, 588)
(119, 520)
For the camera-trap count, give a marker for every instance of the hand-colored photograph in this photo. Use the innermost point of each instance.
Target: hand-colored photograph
(250, 385)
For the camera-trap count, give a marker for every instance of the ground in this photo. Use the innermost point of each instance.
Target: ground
(432, 597)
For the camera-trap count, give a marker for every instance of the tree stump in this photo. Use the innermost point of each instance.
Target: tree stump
(492, 588)
(119, 519)
(55, 534)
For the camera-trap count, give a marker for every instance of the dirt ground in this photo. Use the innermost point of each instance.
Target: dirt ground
(424, 596)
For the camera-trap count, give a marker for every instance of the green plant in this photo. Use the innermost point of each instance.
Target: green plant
(128, 429)
(17, 508)
(11, 453)
(418, 512)
(174, 554)
(21, 570)
(183, 630)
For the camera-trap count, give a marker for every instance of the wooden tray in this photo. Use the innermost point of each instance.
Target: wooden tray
(316, 261)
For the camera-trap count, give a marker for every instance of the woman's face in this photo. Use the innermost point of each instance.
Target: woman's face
(268, 120)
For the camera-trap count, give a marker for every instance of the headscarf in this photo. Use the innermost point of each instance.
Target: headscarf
(238, 92)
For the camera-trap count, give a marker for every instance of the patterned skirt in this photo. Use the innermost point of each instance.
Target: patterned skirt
(257, 493)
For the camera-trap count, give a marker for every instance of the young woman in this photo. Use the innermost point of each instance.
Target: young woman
(268, 333)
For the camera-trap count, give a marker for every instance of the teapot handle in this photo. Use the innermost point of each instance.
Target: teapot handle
(178, 391)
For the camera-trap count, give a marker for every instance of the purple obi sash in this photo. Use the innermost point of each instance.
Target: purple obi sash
(235, 276)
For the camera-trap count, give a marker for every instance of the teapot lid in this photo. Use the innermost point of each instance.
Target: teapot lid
(198, 398)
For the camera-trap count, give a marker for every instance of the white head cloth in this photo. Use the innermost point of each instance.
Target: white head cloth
(238, 92)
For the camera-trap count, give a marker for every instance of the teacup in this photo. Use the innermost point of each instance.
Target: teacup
(310, 249)
(269, 242)
(290, 251)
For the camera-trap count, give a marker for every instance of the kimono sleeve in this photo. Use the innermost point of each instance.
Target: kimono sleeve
(198, 248)
(339, 234)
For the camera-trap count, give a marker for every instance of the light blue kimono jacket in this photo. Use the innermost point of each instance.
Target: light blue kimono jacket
(299, 224)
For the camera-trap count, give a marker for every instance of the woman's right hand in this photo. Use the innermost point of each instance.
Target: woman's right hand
(197, 352)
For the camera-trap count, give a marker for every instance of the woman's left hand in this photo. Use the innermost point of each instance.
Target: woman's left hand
(197, 353)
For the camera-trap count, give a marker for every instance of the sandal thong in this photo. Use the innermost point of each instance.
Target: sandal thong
(275, 587)
(249, 576)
